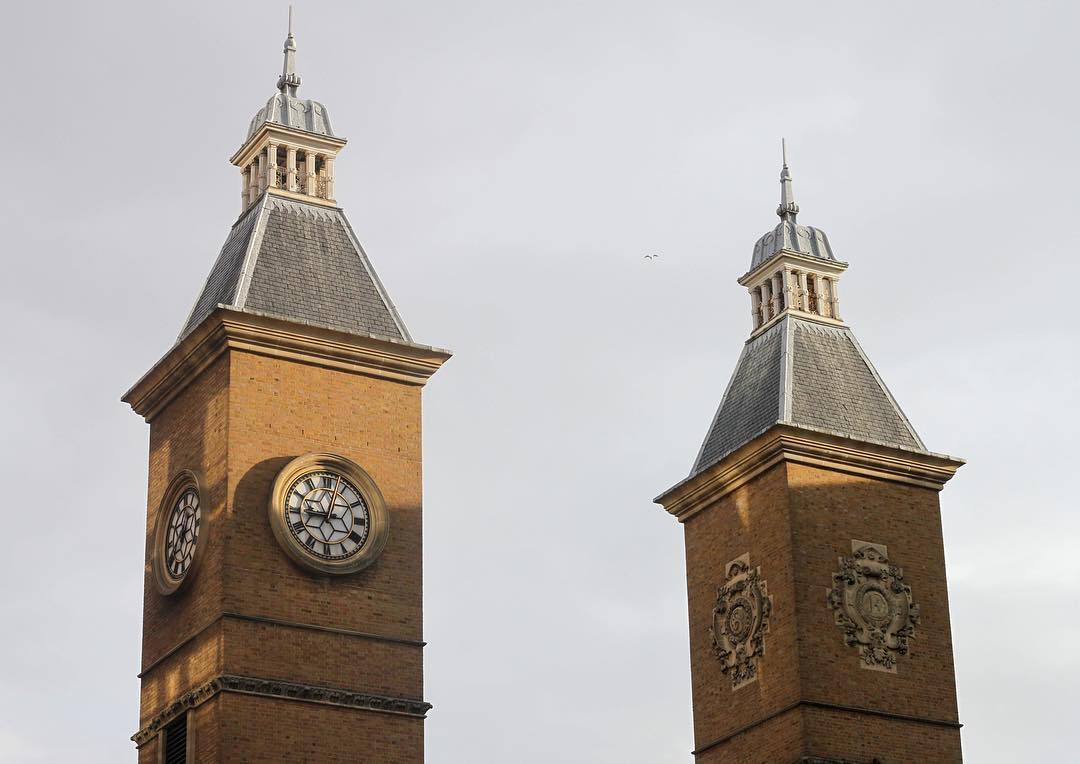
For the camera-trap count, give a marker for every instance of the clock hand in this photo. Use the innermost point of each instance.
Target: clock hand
(333, 499)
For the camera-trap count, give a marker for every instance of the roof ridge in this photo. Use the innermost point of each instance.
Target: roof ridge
(885, 389)
(251, 255)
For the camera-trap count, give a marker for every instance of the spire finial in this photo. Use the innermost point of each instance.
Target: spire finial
(788, 209)
(289, 80)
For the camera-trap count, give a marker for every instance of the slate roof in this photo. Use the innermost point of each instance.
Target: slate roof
(789, 235)
(300, 262)
(296, 113)
(808, 375)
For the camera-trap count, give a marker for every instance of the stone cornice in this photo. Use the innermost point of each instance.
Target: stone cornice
(783, 443)
(230, 329)
(273, 688)
(797, 259)
(285, 135)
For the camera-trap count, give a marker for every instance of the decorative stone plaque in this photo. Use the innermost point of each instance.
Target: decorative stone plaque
(740, 621)
(873, 606)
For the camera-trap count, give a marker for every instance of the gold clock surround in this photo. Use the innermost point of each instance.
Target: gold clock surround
(378, 516)
(178, 486)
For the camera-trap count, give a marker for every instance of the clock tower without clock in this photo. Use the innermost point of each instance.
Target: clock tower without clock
(815, 568)
(282, 615)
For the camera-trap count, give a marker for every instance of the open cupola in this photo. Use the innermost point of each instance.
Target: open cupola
(290, 146)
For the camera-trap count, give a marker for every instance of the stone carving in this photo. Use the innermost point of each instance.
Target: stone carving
(740, 621)
(279, 689)
(872, 606)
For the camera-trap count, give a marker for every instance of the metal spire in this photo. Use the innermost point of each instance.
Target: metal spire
(289, 80)
(788, 209)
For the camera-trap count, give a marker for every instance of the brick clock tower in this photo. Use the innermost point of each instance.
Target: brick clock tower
(282, 615)
(815, 570)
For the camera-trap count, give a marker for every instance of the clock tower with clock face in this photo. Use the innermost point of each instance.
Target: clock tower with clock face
(283, 614)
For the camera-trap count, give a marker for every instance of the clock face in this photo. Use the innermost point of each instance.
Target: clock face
(327, 515)
(182, 534)
(176, 553)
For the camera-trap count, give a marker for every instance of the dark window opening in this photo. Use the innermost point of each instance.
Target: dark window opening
(176, 741)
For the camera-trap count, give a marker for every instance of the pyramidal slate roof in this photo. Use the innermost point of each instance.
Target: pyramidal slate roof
(301, 262)
(808, 375)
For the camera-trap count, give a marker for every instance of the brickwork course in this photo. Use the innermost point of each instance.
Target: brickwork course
(250, 611)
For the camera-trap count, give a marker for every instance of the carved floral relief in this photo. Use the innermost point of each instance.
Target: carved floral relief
(872, 606)
(740, 621)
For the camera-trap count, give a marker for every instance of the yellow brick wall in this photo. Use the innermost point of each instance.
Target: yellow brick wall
(795, 521)
(239, 423)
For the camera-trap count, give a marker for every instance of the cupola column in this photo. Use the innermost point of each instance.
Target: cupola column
(253, 180)
(271, 165)
(245, 188)
(309, 174)
(819, 306)
(262, 171)
(329, 161)
(790, 292)
(755, 307)
(835, 298)
(290, 168)
(804, 293)
(777, 294)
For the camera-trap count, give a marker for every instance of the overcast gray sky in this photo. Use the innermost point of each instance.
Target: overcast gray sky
(508, 165)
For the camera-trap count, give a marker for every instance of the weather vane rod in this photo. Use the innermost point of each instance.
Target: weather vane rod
(289, 80)
(788, 209)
